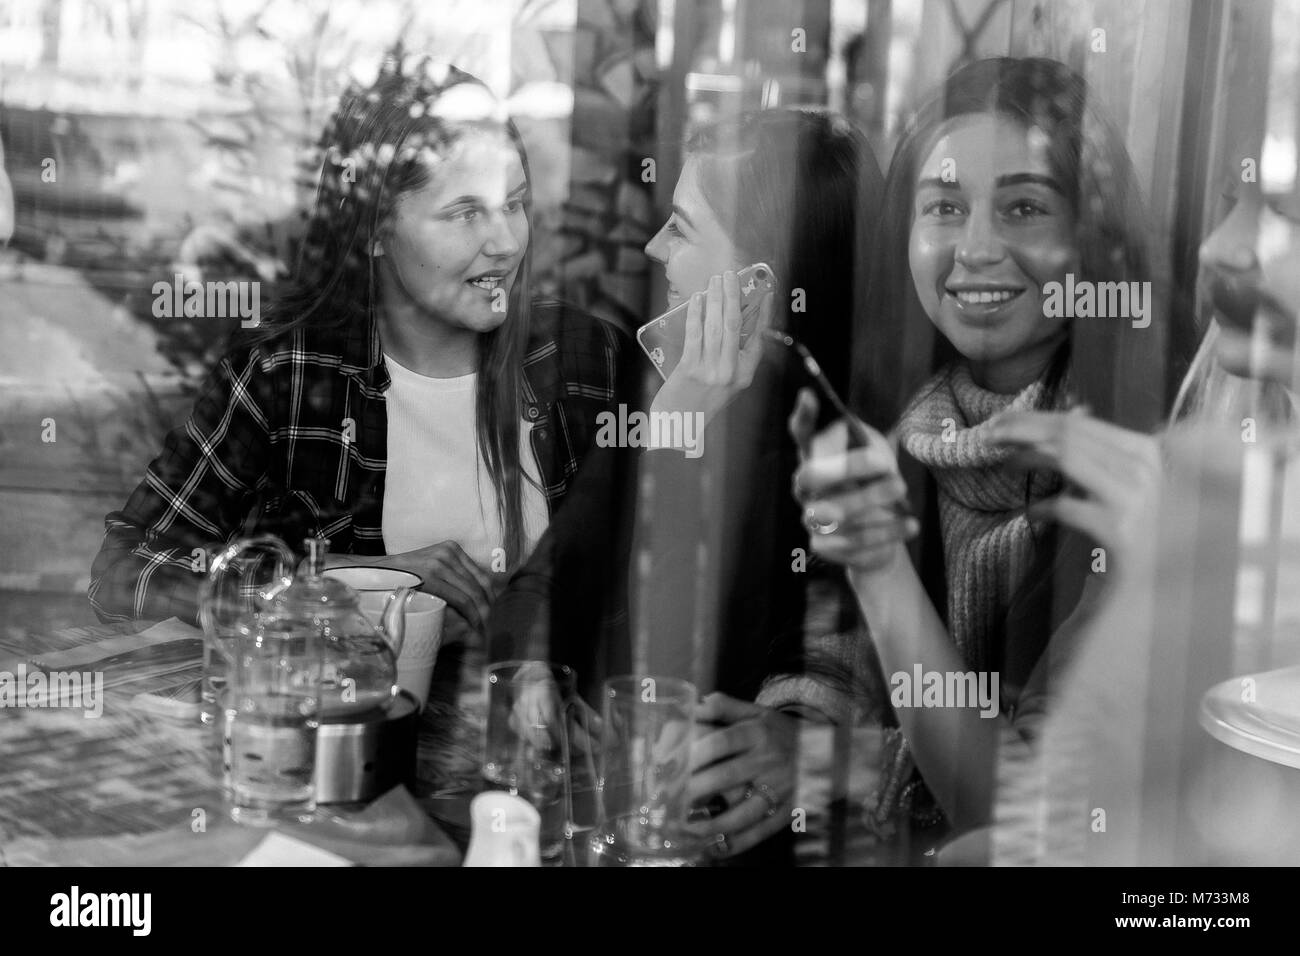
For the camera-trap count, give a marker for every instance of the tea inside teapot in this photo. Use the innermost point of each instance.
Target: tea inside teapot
(360, 658)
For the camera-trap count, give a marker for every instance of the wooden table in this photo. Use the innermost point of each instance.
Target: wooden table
(135, 785)
(129, 786)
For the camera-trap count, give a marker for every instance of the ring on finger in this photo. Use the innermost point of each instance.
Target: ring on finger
(768, 794)
(819, 527)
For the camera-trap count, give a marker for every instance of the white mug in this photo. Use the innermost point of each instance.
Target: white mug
(422, 630)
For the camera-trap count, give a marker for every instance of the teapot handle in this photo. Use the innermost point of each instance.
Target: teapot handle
(209, 590)
(394, 619)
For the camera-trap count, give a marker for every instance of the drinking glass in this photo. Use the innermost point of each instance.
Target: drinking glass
(272, 717)
(533, 744)
(647, 724)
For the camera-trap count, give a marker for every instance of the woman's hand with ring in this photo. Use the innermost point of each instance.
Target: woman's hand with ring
(855, 500)
(751, 749)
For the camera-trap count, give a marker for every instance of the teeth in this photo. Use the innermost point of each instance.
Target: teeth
(984, 298)
(486, 282)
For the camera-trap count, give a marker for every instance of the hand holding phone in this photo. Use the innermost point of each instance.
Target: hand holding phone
(664, 339)
(714, 367)
(836, 443)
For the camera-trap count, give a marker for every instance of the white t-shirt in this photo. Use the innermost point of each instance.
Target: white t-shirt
(437, 487)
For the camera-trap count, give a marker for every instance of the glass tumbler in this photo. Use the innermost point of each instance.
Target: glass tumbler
(272, 714)
(647, 725)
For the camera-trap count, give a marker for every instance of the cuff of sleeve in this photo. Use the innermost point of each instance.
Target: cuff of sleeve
(799, 694)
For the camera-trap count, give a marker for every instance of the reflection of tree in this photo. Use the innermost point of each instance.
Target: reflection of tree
(104, 16)
(269, 125)
(255, 145)
(51, 27)
(137, 18)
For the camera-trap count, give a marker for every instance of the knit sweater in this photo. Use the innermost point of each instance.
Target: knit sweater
(987, 539)
(987, 543)
(984, 531)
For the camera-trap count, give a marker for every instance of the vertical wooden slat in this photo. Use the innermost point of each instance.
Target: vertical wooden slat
(1155, 115)
(875, 70)
(1202, 137)
(1225, 124)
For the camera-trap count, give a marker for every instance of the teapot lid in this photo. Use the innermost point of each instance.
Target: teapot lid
(310, 591)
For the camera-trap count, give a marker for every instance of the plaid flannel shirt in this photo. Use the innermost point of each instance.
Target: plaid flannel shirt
(290, 438)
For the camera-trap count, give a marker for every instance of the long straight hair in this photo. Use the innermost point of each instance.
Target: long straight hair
(385, 140)
(1106, 364)
(801, 191)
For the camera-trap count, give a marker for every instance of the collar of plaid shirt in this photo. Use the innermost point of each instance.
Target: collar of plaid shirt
(361, 353)
(570, 375)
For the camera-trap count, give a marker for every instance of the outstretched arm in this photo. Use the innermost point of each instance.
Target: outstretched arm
(195, 496)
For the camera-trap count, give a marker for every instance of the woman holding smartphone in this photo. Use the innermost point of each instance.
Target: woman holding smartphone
(406, 398)
(1026, 444)
(798, 191)
(719, 592)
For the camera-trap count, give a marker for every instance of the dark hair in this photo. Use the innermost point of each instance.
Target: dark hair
(383, 142)
(1110, 366)
(798, 190)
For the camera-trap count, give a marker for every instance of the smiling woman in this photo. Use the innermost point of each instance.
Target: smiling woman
(1006, 187)
(406, 398)
(1008, 180)
(985, 242)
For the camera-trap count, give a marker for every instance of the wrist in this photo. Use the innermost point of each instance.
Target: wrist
(884, 574)
(677, 421)
(882, 590)
(688, 399)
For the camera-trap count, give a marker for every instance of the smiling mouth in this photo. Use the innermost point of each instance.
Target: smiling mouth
(488, 281)
(969, 297)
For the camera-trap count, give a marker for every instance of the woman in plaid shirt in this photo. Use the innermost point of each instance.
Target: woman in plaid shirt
(417, 256)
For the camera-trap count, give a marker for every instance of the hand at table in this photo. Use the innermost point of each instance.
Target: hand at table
(542, 714)
(750, 757)
(450, 573)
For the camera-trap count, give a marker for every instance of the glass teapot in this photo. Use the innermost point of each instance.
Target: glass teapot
(360, 658)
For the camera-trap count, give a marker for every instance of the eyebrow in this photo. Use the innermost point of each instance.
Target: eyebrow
(1014, 179)
(681, 214)
(1033, 179)
(475, 200)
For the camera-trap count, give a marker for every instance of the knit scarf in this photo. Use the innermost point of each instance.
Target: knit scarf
(987, 540)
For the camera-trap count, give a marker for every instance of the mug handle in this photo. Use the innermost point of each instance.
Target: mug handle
(394, 618)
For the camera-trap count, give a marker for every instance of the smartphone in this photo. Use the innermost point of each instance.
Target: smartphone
(663, 339)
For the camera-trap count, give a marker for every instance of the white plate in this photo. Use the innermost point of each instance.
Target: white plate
(1267, 727)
